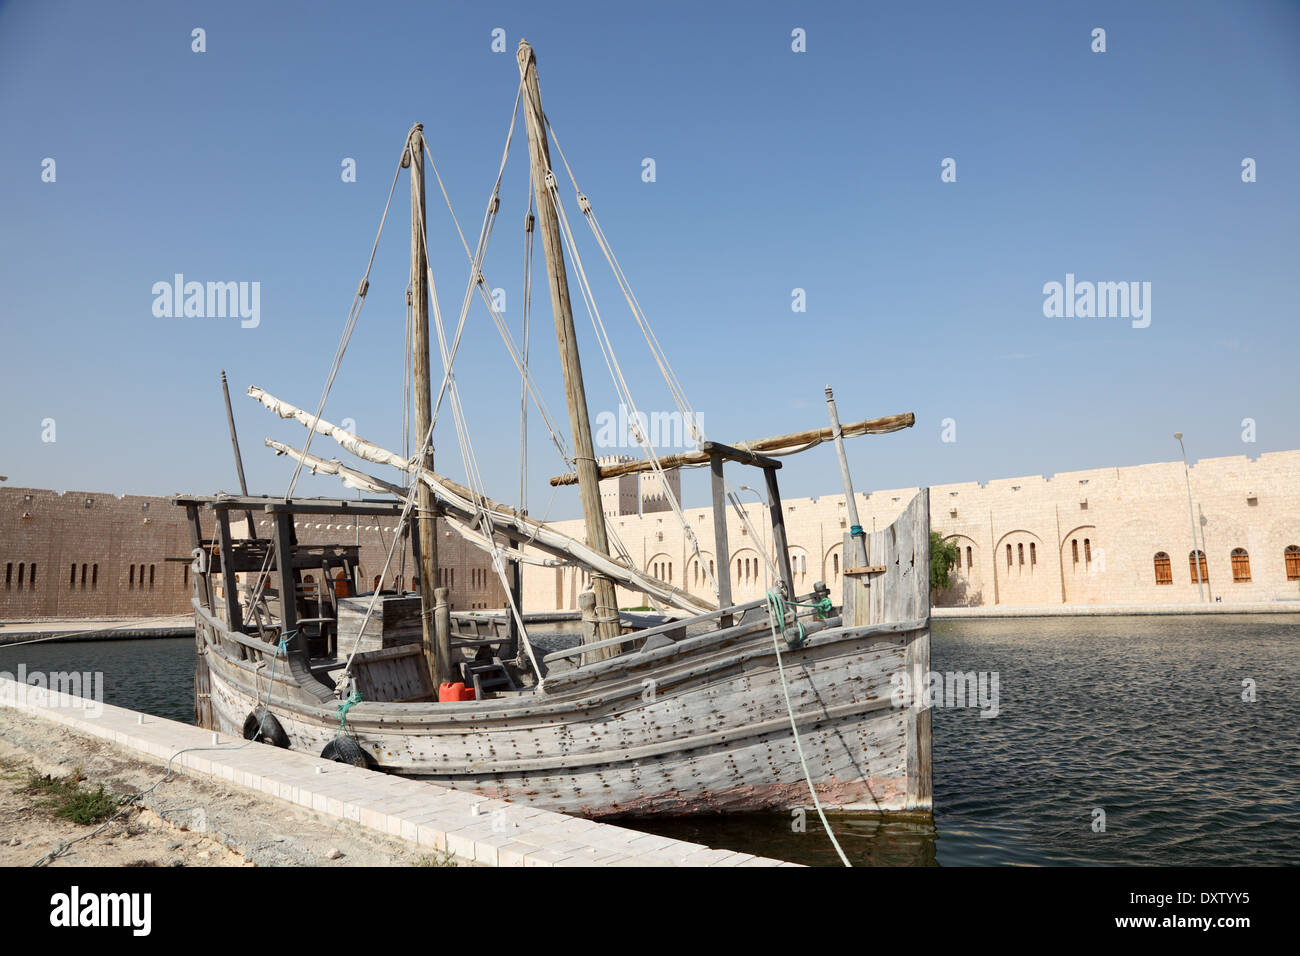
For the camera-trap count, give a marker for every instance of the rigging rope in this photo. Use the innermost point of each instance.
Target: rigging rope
(354, 313)
(776, 614)
(474, 478)
(684, 407)
(523, 385)
(616, 372)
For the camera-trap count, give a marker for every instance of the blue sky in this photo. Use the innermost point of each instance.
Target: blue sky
(775, 170)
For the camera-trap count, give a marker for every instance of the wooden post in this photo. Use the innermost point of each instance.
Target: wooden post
(850, 502)
(284, 564)
(202, 588)
(239, 461)
(442, 623)
(575, 393)
(720, 547)
(229, 583)
(587, 608)
(514, 574)
(437, 656)
(778, 532)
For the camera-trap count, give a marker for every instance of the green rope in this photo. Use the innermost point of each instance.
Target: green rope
(822, 609)
(776, 612)
(353, 699)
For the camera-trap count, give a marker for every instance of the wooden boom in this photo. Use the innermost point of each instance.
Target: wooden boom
(776, 445)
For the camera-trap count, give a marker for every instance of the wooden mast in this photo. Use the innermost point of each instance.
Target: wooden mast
(437, 657)
(575, 393)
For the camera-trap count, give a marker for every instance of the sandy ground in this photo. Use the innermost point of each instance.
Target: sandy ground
(187, 821)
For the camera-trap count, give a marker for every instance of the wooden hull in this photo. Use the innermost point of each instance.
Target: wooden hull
(699, 726)
(704, 729)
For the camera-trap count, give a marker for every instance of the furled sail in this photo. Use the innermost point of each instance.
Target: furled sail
(462, 502)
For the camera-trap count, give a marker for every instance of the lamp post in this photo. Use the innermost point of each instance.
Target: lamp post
(1191, 515)
(765, 558)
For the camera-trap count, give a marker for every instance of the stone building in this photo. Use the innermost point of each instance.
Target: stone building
(1104, 536)
(79, 554)
(637, 494)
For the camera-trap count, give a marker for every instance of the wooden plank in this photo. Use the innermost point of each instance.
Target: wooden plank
(332, 506)
(737, 611)
(898, 588)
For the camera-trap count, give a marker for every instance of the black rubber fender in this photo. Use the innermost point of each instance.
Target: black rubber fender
(272, 732)
(347, 750)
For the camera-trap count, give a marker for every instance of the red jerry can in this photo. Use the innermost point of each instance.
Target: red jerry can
(454, 692)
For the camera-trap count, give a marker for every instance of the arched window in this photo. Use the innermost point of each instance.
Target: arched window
(94, 576)
(958, 564)
(130, 582)
(1087, 551)
(1240, 566)
(9, 575)
(151, 577)
(31, 575)
(1020, 554)
(970, 559)
(1008, 556)
(185, 578)
(1292, 557)
(83, 576)
(1164, 570)
(1033, 553)
(72, 576)
(1192, 567)
(1074, 547)
(21, 568)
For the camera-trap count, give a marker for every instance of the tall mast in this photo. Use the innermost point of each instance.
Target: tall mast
(437, 657)
(579, 422)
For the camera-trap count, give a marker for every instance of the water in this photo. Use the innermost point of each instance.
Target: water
(152, 675)
(1141, 717)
